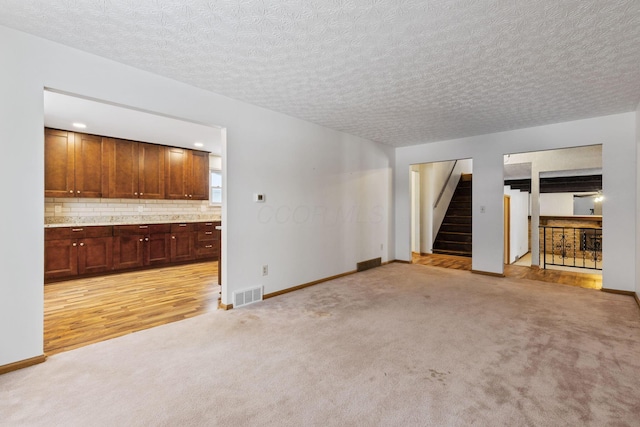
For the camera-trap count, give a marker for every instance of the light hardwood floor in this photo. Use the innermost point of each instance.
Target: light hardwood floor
(85, 311)
(583, 280)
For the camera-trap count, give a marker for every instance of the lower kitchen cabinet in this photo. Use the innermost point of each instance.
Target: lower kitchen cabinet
(182, 242)
(76, 251)
(207, 240)
(71, 251)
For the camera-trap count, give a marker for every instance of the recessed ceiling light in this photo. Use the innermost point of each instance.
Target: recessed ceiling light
(199, 144)
(79, 125)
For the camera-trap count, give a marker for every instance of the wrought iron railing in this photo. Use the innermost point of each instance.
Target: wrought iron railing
(571, 247)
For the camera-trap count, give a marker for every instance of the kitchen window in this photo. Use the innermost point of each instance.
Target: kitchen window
(215, 189)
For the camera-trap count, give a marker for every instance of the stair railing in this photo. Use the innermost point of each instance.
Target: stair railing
(444, 186)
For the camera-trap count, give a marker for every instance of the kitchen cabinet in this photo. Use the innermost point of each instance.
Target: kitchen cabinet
(71, 251)
(186, 174)
(182, 242)
(76, 251)
(73, 164)
(135, 169)
(137, 246)
(207, 240)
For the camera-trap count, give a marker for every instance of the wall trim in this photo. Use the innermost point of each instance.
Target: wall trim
(22, 364)
(306, 285)
(488, 273)
(225, 307)
(401, 261)
(616, 291)
(635, 296)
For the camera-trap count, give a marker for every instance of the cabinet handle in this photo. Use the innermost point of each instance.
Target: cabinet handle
(141, 239)
(173, 237)
(146, 239)
(186, 195)
(74, 244)
(209, 246)
(207, 224)
(208, 232)
(190, 195)
(141, 194)
(82, 244)
(76, 229)
(182, 225)
(143, 226)
(70, 191)
(135, 194)
(78, 191)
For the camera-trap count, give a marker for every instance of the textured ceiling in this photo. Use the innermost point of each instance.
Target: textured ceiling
(399, 72)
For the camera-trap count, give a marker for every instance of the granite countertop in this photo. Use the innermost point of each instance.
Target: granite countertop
(51, 222)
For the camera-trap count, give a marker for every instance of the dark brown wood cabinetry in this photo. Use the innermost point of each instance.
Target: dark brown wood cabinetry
(82, 165)
(135, 169)
(207, 240)
(141, 245)
(76, 251)
(71, 251)
(73, 164)
(182, 242)
(186, 174)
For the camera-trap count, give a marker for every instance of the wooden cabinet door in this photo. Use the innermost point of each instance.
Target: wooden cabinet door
(176, 176)
(123, 164)
(60, 258)
(199, 178)
(182, 246)
(88, 165)
(95, 255)
(159, 247)
(151, 166)
(59, 163)
(128, 251)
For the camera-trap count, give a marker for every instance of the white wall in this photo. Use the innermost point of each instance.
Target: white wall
(617, 135)
(638, 199)
(519, 239)
(328, 194)
(556, 204)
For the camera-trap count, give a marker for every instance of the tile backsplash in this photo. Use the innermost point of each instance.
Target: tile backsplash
(119, 211)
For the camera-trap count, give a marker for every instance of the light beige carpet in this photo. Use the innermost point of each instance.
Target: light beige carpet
(400, 345)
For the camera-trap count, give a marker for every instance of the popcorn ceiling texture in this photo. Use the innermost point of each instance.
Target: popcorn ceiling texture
(125, 211)
(399, 72)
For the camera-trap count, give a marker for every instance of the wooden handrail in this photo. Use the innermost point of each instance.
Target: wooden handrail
(444, 186)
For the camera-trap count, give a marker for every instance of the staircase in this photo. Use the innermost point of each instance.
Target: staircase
(454, 236)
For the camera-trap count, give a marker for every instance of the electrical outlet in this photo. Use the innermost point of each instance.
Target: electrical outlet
(203, 208)
(140, 208)
(57, 208)
(265, 270)
(381, 246)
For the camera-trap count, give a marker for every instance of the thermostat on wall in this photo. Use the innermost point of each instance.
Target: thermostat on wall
(258, 197)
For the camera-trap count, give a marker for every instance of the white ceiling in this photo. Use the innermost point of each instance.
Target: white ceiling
(399, 72)
(61, 111)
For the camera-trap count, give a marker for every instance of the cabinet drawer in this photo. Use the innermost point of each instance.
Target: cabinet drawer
(208, 236)
(206, 249)
(79, 232)
(127, 230)
(206, 226)
(181, 227)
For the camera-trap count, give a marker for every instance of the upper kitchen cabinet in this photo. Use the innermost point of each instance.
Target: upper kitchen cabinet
(73, 164)
(186, 174)
(135, 169)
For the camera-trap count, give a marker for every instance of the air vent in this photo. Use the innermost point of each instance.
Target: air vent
(247, 296)
(365, 265)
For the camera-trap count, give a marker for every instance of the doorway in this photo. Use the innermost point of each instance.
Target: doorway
(83, 310)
